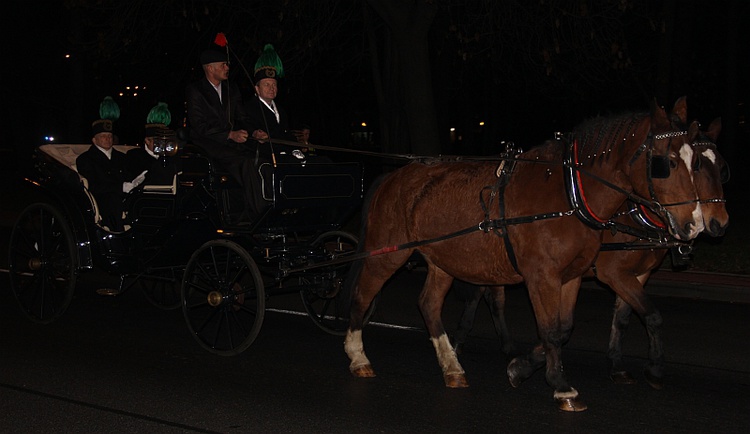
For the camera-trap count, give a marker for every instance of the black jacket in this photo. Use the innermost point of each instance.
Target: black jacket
(260, 117)
(210, 120)
(105, 177)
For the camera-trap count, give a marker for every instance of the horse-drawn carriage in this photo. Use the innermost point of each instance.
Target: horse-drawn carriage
(539, 219)
(182, 247)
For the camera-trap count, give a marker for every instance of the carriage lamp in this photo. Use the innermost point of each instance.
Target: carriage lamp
(165, 147)
(165, 144)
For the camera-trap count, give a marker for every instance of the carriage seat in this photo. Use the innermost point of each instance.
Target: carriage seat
(67, 155)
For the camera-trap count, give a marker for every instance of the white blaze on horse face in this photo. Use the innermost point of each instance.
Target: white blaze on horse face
(686, 154)
(709, 153)
(699, 226)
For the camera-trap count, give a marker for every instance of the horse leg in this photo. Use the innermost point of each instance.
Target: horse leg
(521, 367)
(632, 292)
(620, 322)
(466, 322)
(431, 300)
(495, 297)
(374, 274)
(553, 308)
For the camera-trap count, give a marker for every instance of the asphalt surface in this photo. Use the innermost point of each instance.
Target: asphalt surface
(118, 364)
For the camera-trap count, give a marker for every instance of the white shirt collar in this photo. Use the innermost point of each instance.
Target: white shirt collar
(217, 88)
(107, 152)
(271, 106)
(150, 152)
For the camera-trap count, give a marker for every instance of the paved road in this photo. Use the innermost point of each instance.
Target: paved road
(117, 364)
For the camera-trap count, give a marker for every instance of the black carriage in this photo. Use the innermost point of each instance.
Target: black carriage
(182, 245)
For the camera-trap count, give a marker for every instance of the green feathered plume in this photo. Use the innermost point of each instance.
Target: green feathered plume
(109, 109)
(159, 115)
(269, 59)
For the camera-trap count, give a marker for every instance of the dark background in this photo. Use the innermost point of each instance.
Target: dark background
(524, 68)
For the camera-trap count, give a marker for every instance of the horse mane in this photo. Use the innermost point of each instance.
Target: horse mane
(595, 133)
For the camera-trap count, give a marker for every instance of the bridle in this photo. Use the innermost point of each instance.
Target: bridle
(657, 166)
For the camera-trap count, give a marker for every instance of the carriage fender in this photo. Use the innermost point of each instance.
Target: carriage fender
(35, 192)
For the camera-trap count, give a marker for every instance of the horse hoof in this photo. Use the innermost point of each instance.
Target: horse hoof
(515, 375)
(571, 404)
(455, 381)
(654, 381)
(364, 371)
(622, 377)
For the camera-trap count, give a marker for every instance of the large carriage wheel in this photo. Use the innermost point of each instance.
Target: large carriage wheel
(162, 288)
(323, 296)
(42, 262)
(223, 298)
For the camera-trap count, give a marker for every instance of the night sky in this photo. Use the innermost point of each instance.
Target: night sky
(46, 93)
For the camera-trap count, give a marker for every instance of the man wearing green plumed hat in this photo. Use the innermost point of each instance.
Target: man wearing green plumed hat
(151, 160)
(103, 166)
(265, 117)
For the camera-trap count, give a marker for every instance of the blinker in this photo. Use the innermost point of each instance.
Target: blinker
(659, 166)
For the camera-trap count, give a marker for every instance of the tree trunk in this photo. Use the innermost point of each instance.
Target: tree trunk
(412, 99)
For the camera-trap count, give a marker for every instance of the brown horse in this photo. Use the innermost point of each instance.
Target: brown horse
(541, 224)
(625, 269)
(626, 272)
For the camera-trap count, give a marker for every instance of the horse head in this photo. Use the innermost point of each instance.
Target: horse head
(710, 171)
(666, 158)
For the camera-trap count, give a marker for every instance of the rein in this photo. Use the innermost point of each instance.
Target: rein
(651, 234)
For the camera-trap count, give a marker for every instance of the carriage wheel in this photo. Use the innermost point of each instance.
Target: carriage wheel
(42, 263)
(162, 288)
(223, 298)
(325, 301)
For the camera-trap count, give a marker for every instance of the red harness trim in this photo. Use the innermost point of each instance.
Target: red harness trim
(646, 215)
(580, 185)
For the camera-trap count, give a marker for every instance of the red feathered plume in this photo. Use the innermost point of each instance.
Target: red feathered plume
(220, 40)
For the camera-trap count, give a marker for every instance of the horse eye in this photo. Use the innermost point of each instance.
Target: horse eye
(672, 164)
(697, 165)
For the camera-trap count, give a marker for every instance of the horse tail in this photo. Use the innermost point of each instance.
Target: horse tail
(352, 276)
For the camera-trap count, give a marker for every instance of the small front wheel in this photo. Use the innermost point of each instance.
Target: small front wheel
(324, 296)
(223, 298)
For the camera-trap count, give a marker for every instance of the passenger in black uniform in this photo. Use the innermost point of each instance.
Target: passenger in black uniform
(152, 160)
(103, 166)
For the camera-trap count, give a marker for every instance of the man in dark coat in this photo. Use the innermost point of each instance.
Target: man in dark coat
(217, 119)
(158, 167)
(103, 167)
(265, 117)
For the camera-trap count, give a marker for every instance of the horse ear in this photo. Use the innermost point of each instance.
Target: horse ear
(680, 110)
(658, 116)
(694, 131)
(714, 129)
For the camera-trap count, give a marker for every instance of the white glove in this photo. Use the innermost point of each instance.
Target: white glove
(138, 180)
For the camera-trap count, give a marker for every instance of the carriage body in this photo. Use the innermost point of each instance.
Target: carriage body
(170, 226)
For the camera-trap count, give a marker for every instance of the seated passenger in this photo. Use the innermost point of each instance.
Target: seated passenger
(216, 120)
(151, 161)
(103, 166)
(266, 119)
